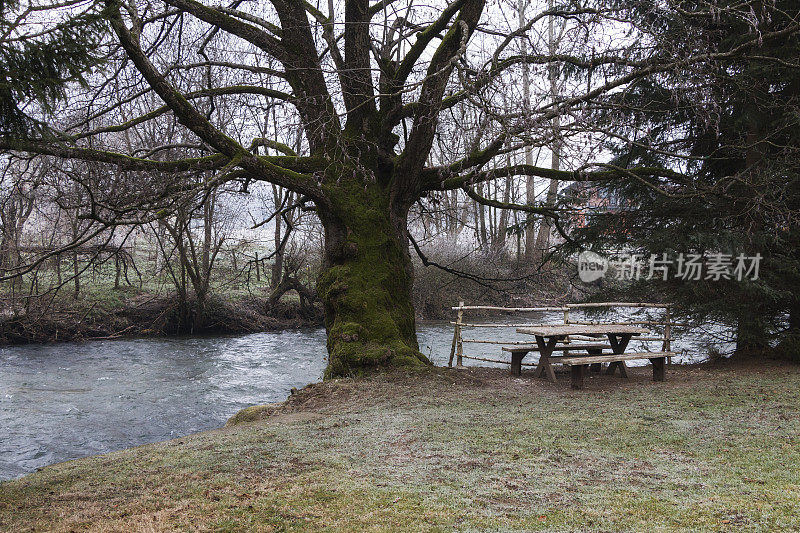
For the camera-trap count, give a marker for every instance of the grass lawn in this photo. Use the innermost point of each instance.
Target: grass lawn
(713, 448)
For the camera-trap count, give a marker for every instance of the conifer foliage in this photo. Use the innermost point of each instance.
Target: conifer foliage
(38, 57)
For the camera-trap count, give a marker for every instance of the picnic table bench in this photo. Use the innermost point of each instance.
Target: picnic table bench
(618, 335)
(518, 353)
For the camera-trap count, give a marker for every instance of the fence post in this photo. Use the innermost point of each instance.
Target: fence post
(453, 346)
(668, 333)
(459, 343)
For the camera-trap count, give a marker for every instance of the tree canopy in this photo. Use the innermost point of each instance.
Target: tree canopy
(372, 87)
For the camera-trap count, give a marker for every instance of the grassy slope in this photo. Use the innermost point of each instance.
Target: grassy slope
(711, 449)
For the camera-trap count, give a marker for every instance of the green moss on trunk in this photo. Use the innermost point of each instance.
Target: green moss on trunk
(366, 285)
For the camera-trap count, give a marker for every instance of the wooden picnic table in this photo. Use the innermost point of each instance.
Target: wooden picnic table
(618, 335)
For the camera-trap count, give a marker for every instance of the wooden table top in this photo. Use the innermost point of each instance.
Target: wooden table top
(577, 329)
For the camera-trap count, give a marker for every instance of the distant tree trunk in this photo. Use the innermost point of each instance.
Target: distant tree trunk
(530, 181)
(502, 225)
(462, 215)
(9, 256)
(491, 192)
(257, 263)
(277, 265)
(519, 237)
(58, 268)
(543, 237)
(16, 209)
(76, 269)
(7, 249)
(76, 275)
(480, 214)
(118, 271)
(200, 275)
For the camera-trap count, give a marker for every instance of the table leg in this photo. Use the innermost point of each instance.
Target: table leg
(619, 342)
(516, 362)
(595, 367)
(658, 368)
(614, 365)
(618, 345)
(578, 372)
(539, 370)
(546, 348)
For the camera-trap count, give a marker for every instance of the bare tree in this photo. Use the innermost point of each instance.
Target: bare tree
(196, 234)
(367, 84)
(16, 206)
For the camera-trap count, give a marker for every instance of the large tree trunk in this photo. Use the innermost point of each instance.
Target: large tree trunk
(366, 282)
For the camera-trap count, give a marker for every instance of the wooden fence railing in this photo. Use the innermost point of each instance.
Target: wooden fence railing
(665, 325)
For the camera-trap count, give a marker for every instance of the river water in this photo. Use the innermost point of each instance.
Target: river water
(69, 400)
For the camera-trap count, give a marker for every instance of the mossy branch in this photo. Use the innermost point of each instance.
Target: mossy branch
(122, 161)
(550, 212)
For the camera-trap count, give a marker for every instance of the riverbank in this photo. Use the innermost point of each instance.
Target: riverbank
(106, 312)
(714, 448)
(137, 314)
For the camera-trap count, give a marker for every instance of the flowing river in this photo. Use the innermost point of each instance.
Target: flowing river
(69, 400)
